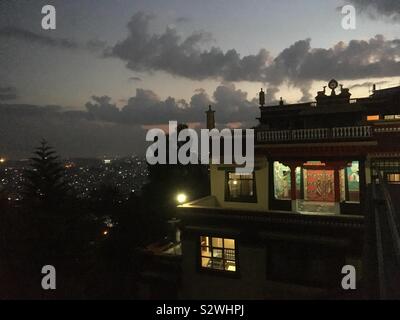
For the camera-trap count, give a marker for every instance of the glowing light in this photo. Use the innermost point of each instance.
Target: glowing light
(2, 160)
(235, 182)
(105, 232)
(373, 117)
(181, 198)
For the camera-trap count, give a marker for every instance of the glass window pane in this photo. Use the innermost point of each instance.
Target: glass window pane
(217, 264)
(230, 266)
(217, 242)
(229, 254)
(205, 251)
(240, 185)
(234, 188)
(206, 262)
(229, 244)
(217, 253)
(204, 241)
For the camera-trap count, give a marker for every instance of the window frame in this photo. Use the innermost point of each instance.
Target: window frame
(244, 199)
(207, 270)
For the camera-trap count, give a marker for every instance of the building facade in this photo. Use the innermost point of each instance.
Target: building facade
(287, 229)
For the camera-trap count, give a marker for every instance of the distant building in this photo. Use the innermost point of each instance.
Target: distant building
(287, 230)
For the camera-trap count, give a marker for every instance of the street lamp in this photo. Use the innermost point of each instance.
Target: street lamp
(181, 198)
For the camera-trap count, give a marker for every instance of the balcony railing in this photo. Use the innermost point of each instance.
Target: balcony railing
(315, 134)
(382, 258)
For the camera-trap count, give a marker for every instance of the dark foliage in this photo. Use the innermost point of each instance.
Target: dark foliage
(96, 245)
(45, 184)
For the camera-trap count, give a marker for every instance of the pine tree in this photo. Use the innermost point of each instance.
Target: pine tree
(45, 183)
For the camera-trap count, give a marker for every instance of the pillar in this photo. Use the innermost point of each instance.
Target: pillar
(293, 193)
(336, 182)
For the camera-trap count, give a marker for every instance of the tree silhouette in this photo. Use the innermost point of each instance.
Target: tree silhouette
(45, 184)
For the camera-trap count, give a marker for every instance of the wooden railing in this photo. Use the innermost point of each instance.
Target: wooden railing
(314, 134)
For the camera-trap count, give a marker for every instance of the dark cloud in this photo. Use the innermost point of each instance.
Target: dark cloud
(101, 108)
(16, 33)
(28, 36)
(105, 129)
(367, 84)
(146, 107)
(171, 53)
(73, 133)
(388, 8)
(298, 65)
(135, 79)
(8, 93)
(270, 95)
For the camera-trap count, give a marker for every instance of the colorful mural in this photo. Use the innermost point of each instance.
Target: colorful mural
(320, 186)
(318, 183)
(353, 182)
(282, 183)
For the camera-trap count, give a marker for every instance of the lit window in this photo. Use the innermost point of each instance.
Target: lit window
(240, 187)
(393, 178)
(218, 254)
(373, 117)
(392, 117)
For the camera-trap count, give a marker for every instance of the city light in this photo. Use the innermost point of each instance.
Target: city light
(105, 232)
(2, 160)
(181, 198)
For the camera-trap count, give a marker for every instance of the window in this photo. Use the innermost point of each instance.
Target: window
(240, 187)
(373, 117)
(393, 178)
(392, 117)
(218, 254)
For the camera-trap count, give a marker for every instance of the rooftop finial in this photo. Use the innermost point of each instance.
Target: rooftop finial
(261, 97)
(210, 118)
(333, 84)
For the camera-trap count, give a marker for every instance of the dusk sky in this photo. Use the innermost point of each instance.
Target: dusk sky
(113, 68)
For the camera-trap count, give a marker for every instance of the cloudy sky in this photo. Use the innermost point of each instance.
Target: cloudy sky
(113, 69)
